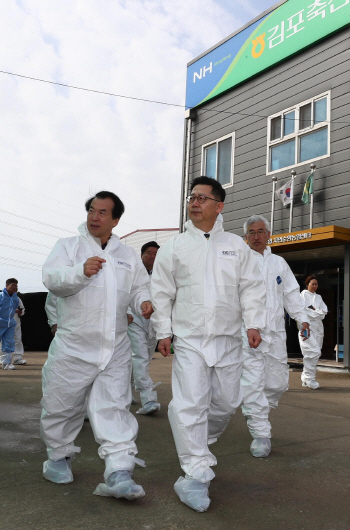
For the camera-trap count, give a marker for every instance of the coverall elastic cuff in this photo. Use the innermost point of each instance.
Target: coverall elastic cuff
(66, 451)
(119, 461)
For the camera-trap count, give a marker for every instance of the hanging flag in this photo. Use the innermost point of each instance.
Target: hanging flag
(308, 188)
(285, 194)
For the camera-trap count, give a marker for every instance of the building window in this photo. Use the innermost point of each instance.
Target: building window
(217, 160)
(299, 134)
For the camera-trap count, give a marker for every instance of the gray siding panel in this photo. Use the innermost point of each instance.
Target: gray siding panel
(245, 109)
(263, 97)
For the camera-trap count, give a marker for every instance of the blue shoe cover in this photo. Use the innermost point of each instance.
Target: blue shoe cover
(260, 447)
(193, 493)
(149, 408)
(120, 484)
(58, 471)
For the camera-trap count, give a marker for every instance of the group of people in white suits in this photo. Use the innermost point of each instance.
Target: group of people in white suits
(210, 292)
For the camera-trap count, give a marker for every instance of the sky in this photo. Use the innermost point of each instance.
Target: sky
(59, 145)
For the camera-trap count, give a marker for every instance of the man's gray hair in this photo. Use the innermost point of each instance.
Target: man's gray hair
(255, 219)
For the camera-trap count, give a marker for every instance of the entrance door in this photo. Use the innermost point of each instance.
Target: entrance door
(330, 274)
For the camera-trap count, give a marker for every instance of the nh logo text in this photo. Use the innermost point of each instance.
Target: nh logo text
(202, 72)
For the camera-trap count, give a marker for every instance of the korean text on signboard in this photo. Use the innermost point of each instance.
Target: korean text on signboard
(285, 31)
(289, 238)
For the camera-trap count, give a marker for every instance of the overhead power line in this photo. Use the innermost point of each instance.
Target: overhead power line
(91, 90)
(41, 194)
(26, 241)
(26, 267)
(24, 249)
(81, 209)
(32, 230)
(22, 262)
(40, 207)
(38, 222)
(147, 100)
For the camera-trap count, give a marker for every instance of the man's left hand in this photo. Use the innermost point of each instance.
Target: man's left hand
(164, 347)
(254, 338)
(147, 309)
(305, 325)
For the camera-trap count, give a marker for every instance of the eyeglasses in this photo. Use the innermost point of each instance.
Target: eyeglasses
(200, 198)
(259, 232)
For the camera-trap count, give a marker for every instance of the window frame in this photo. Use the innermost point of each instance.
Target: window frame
(216, 142)
(298, 133)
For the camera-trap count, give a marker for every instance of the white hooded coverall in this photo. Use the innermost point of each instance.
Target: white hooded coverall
(91, 350)
(265, 369)
(19, 350)
(200, 289)
(311, 348)
(143, 344)
(51, 309)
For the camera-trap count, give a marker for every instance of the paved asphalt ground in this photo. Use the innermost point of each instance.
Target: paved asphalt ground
(303, 485)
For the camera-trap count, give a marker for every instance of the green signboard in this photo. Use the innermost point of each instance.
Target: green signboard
(291, 27)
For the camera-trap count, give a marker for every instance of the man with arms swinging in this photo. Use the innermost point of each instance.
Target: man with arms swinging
(203, 281)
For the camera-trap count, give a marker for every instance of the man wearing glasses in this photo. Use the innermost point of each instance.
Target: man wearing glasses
(265, 370)
(203, 281)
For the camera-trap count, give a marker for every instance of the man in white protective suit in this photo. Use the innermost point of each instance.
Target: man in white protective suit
(143, 343)
(203, 281)
(95, 278)
(265, 372)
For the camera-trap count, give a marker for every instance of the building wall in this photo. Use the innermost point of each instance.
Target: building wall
(244, 110)
(140, 237)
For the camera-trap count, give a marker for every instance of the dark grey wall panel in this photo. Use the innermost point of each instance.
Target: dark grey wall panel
(244, 111)
(281, 87)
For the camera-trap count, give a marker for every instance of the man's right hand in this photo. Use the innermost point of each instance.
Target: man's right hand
(93, 266)
(164, 347)
(254, 338)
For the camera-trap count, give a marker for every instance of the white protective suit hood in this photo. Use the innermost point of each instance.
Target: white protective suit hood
(91, 312)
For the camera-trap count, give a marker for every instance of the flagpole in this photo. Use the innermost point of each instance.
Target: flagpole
(293, 173)
(274, 180)
(312, 167)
